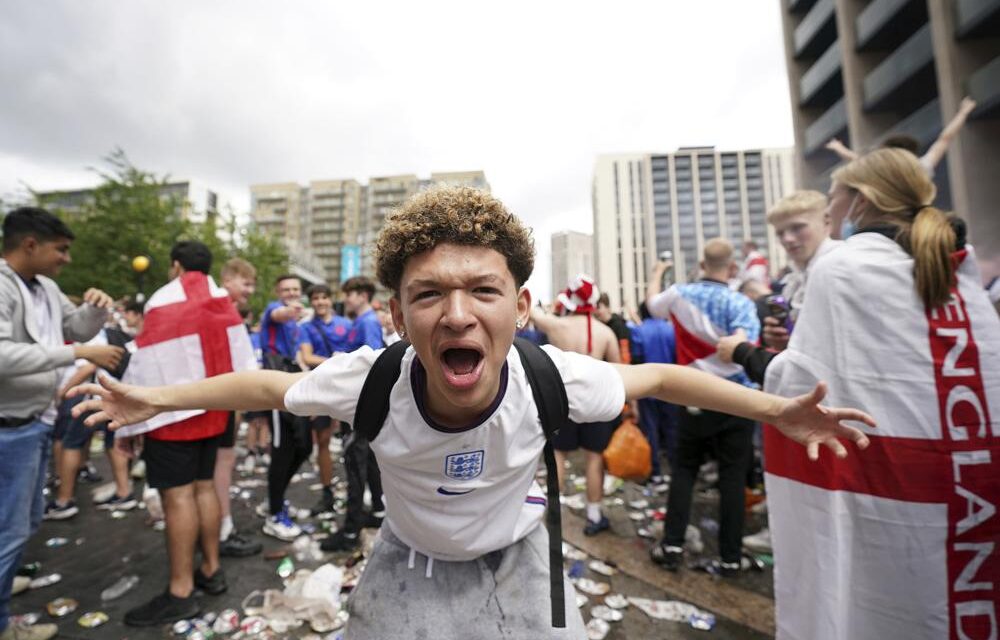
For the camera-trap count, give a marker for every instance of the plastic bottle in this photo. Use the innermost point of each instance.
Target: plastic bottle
(122, 586)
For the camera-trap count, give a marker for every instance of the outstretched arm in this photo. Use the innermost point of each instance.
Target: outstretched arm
(122, 404)
(937, 150)
(802, 419)
(838, 147)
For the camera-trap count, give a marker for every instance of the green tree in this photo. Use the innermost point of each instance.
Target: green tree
(129, 215)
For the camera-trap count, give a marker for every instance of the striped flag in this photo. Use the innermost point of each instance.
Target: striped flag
(901, 540)
(191, 331)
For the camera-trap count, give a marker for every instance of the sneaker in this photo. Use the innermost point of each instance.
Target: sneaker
(20, 585)
(668, 557)
(138, 469)
(56, 511)
(593, 528)
(323, 505)
(15, 631)
(236, 546)
(162, 609)
(88, 473)
(212, 586)
(730, 569)
(759, 542)
(280, 526)
(340, 541)
(118, 503)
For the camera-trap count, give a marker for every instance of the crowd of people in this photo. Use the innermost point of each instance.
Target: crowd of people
(444, 417)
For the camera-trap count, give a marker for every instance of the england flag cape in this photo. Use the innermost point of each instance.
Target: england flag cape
(900, 540)
(191, 331)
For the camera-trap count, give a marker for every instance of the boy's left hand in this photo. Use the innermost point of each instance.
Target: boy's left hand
(805, 421)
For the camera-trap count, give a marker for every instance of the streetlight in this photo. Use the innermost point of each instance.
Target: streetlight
(140, 264)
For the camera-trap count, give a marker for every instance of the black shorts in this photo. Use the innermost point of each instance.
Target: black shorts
(320, 423)
(592, 436)
(228, 438)
(175, 463)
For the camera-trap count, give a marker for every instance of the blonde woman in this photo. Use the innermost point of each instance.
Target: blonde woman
(904, 546)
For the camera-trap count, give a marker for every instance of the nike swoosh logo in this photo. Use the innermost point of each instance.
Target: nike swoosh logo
(445, 492)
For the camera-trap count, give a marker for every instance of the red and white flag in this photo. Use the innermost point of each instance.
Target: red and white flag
(900, 540)
(695, 333)
(191, 331)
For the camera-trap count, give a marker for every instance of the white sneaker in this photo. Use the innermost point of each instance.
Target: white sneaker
(282, 528)
(759, 542)
(138, 469)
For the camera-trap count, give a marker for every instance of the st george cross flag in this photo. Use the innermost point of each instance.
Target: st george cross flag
(696, 332)
(900, 540)
(191, 331)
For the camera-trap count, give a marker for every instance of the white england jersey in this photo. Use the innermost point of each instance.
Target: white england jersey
(458, 494)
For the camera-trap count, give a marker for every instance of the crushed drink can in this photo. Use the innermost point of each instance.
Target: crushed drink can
(577, 570)
(26, 619)
(121, 586)
(30, 570)
(92, 619)
(285, 567)
(45, 581)
(181, 627)
(61, 607)
(56, 542)
(118, 515)
(253, 624)
(209, 617)
(227, 622)
(702, 621)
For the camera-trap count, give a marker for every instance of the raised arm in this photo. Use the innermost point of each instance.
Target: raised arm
(802, 419)
(937, 150)
(838, 147)
(122, 404)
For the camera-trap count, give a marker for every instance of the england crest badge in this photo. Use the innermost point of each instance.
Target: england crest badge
(464, 466)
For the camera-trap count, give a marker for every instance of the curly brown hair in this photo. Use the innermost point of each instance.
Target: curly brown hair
(455, 215)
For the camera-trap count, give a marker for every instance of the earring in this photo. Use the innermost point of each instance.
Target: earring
(518, 324)
(401, 333)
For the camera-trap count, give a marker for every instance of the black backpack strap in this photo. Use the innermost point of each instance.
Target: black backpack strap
(553, 410)
(373, 403)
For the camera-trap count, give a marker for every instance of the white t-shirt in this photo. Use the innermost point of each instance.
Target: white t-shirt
(459, 494)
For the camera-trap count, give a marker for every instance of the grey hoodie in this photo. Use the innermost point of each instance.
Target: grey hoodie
(28, 369)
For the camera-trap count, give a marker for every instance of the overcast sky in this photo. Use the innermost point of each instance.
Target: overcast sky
(234, 93)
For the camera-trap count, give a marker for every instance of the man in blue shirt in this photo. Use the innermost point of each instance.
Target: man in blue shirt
(366, 330)
(658, 419)
(359, 461)
(291, 440)
(702, 313)
(324, 335)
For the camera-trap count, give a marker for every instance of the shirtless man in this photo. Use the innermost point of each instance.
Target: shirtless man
(579, 332)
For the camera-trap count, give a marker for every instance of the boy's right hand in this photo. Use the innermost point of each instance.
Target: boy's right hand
(104, 356)
(116, 403)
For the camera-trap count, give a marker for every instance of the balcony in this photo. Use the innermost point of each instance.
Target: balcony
(829, 125)
(816, 31)
(924, 124)
(975, 18)
(885, 24)
(907, 64)
(821, 85)
(984, 88)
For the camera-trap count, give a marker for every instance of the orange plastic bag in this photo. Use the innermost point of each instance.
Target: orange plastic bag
(628, 455)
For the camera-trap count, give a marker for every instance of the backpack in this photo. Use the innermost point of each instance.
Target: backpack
(549, 394)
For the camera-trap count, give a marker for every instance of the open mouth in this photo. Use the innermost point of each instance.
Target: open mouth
(462, 366)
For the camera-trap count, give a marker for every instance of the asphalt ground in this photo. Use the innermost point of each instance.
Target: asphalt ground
(101, 548)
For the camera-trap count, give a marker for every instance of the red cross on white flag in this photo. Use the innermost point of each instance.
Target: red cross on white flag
(901, 540)
(191, 332)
